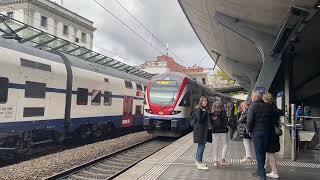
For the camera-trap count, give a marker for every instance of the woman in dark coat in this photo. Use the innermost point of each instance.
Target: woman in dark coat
(274, 144)
(243, 132)
(200, 130)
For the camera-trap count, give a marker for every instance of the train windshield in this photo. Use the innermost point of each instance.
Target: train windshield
(163, 92)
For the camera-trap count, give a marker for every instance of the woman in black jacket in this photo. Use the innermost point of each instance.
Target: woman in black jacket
(200, 130)
(219, 120)
(274, 145)
(243, 132)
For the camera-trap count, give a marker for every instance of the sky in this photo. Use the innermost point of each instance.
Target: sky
(164, 19)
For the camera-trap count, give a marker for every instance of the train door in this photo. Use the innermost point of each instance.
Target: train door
(34, 100)
(127, 120)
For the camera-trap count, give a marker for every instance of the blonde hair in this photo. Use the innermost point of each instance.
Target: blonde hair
(268, 98)
(244, 103)
(217, 106)
(202, 98)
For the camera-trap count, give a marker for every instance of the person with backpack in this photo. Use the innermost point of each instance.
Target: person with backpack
(243, 132)
(219, 120)
(200, 123)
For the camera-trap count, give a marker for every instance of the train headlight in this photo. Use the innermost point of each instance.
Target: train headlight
(175, 112)
(148, 111)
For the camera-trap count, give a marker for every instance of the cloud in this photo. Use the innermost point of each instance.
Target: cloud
(163, 17)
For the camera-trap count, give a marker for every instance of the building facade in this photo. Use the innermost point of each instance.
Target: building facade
(52, 18)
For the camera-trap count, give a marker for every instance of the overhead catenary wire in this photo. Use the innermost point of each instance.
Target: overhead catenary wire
(122, 22)
(147, 29)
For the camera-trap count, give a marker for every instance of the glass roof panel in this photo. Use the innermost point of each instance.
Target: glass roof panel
(96, 58)
(56, 43)
(88, 55)
(28, 32)
(118, 65)
(67, 48)
(103, 61)
(39, 39)
(123, 67)
(42, 38)
(113, 62)
(79, 51)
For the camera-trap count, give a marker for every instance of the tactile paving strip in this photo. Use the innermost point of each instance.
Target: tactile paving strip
(163, 165)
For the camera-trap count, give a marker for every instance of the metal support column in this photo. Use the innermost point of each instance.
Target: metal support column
(293, 133)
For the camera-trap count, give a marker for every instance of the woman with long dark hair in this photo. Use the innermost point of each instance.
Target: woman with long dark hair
(200, 130)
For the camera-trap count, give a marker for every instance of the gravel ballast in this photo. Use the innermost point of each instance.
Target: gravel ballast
(45, 166)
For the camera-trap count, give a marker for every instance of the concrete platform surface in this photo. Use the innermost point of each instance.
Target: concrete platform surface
(176, 162)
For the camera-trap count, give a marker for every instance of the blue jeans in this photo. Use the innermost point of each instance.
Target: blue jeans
(260, 141)
(200, 151)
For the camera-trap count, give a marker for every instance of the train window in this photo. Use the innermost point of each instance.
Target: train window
(35, 90)
(138, 110)
(106, 80)
(128, 84)
(107, 98)
(35, 65)
(139, 87)
(4, 85)
(82, 96)
(33, 111)
(186, 100)
(96, 97)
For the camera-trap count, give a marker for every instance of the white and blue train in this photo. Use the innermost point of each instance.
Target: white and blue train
(48, 96)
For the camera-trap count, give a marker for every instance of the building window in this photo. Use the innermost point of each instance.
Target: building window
(65, 30)
(35, 90)
(139, 87)
(138, 110)
(107, 98)
(76, 40)
(4, 85)
(44, 21)
(83, 37)
(128, 84)
(82, 96)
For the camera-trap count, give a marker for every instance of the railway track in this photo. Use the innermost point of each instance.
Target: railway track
(112, 165)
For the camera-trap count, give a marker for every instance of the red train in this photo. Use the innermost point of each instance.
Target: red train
(170, 97)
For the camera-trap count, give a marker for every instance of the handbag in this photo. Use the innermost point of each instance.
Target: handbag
(278, 131)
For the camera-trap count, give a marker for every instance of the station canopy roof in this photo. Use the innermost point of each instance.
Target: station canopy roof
(25, 34)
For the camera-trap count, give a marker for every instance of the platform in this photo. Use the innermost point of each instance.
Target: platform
(176, 162)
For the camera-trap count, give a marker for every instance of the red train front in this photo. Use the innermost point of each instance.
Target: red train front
(169, 100)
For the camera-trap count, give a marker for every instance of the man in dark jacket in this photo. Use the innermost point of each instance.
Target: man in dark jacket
(260, 125)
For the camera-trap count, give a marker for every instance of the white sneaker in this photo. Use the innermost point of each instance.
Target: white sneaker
(202, 167)
(273, 175)
(215, 164)
(197, 163)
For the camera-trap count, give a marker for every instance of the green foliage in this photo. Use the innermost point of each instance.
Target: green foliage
(224, 76)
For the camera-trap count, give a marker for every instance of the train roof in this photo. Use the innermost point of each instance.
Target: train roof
(76, 62)
(179, 77)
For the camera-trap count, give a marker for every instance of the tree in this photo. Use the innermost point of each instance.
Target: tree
(224, 76)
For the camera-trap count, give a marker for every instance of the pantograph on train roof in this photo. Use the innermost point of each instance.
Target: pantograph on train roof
(25, 34)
